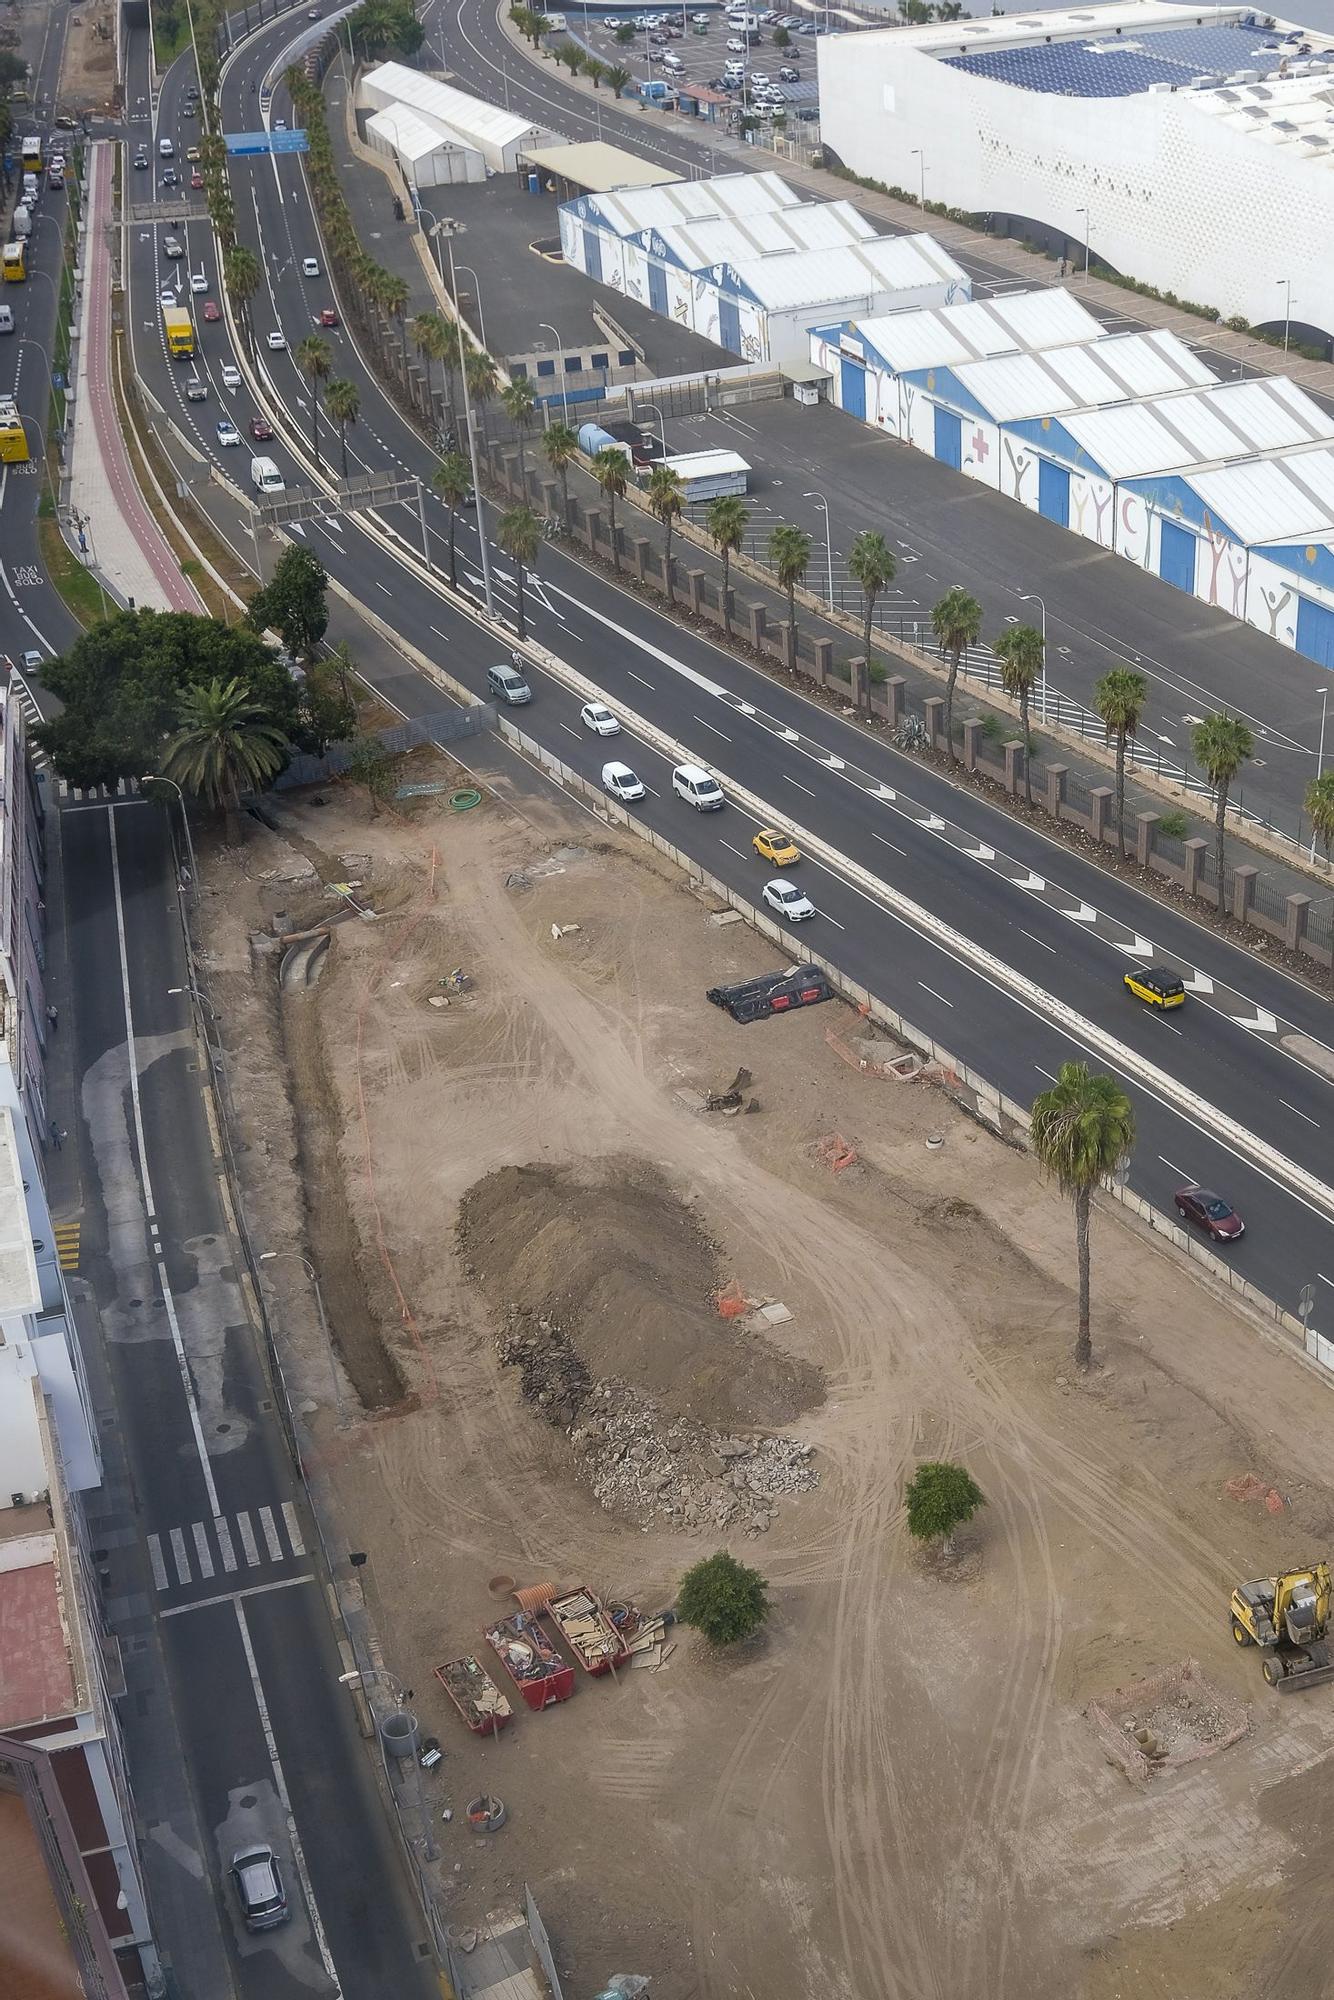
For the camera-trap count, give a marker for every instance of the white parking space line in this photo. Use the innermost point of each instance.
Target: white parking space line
(202, 1551)
(934, 995)
(293, 1529)
(1298, 1114)
(1037, 940)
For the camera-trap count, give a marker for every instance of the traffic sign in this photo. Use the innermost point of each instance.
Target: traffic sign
(1306, 1303)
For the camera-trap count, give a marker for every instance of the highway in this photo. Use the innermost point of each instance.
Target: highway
(1056, 922)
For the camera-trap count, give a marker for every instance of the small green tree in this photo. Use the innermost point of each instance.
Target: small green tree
(294, 601)
(722, 1599)
(570, 54)
(593, 70)
(956, 621)
(1319, 803)
(625, 34)
(1119, 698)
(782, 39)
(940, 1498)
(371, 765)
(1222, 743)
(726, 521)
(1020, 650)
(328, 712)
(617, 77)
(242, 276)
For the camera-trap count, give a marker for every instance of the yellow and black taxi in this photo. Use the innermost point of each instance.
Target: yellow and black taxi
(779, 848)
(1155, 985)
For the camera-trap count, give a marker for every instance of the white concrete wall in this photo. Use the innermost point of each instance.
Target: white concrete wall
(20, 1438)
(1176, 196)
(1271, 599)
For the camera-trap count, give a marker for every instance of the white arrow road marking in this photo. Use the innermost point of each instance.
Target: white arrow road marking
(1264, 1023)
(745, 708)
(1199, 982)
(789, 736)
(1085, 914)
(932, 823)
(1034, 882)
(884, 792)
(1136, 947)
(833, 763)
(980, 852)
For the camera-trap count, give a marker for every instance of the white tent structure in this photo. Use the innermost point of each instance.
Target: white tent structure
(498, 135)
(428, 159)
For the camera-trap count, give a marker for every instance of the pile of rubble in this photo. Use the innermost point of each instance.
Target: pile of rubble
(640, 1462)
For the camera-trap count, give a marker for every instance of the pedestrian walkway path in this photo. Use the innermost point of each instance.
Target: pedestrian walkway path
(124, 541)
(249, 1539)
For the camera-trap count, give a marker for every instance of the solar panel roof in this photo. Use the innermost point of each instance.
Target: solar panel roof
(1124, 65)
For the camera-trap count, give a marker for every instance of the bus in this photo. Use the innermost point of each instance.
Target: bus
(180, 331)
(16, 261)
(32, 155)
(13, 438)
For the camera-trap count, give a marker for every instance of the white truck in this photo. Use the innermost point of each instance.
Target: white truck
(265, 476)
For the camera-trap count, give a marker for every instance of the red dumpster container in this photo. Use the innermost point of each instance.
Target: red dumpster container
(531, 1661)
(485, 1710)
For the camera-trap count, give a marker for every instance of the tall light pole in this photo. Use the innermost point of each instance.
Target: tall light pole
(295, 1257)
(449, 229)
(828, 543)
(1031, 597)
(1287, 310)
(547, 327)
(156, 778)
(920, 158)
(662, 421)
(1087, 226)
(477, 294)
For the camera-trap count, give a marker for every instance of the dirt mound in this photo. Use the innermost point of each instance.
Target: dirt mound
(609, 1254)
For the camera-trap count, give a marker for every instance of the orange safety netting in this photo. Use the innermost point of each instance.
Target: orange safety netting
(732, 1301)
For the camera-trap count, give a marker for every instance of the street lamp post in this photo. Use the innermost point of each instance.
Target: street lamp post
(920, 158)
(156, 778)
(295, 1257)
(449, 229)
(1287, 310)
(828, 543)
(1031, 597)
(547, 327)
(662, 421)
(477, 294)
(1087, 225)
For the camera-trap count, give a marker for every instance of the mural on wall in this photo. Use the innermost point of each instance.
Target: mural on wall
(976, 454)
(1020, 463)
(1094, 494)
(1223, 550)
(1279, 598)
(1133, 540)
(886, 402)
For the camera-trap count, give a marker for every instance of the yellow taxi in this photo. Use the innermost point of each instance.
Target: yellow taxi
(778, 848)
(1156, 986)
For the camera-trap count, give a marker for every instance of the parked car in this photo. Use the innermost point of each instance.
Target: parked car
(621, 782)
(789, 75)
(1209, 1211)
(787, 900)
(259, 1888)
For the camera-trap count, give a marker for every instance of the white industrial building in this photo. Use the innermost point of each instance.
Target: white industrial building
(428, 159)
(745, 262)
(460, 121)
(1193, 150)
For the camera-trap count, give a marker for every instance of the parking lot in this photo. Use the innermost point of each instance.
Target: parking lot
(767, 77)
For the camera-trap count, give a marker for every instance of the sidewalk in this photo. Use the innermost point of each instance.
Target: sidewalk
(127, 548)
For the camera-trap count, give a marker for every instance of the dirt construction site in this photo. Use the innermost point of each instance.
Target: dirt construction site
(589, 1329)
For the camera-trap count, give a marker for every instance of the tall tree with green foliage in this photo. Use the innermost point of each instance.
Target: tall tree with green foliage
(723, 1599)
(342, 401)
(560, 443)
(1119, 698)
(667, 499)
(872, 567)
(790, 558)
(1082, 1131)
(617, 76)
(1222, 744)
(328, 712)
(225, 742)
(594, 70)
(519, 533)
(608, 468)
(482, 376)
(452, 480)
(381, 28)
(518, 399)
(375, 768)
(1020, 651)
(1319, 803)
(314, 358)
(940, 1498)
(294, 602)
(956, 621)
(242, 276)
(727, 521)
(428, 337)
(121, 683)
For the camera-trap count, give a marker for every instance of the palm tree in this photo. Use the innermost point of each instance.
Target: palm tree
(394, 294)
(594, 70)
(224, 740)
(427, 330)
(452, 480)
(1119, 698)
(451, 355)
(560, 442)
(727, 521)
(519, 533)
(1319, 803)
(956, 621)
(482, 377)
(518, 400)
(242, 275)
(342, 401)
(608, 468)
(1020, 651)
(790, 557)
(315, 360)
(666, 499)
(871, 564)
(1221, 743)
(616, 79)
(1082, 1130)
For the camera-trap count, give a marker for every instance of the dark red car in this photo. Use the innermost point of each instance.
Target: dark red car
(196, 179)
(328, 317)
(261, 430)
(212, 311)
(1209, 1211)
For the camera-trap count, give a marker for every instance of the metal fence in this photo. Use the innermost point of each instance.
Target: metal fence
(444, 727)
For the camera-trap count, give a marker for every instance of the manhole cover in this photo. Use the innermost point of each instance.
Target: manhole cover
(501, 1586)
(136, 1302)
(223, 1429)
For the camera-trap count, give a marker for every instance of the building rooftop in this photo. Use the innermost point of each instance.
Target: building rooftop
(598, 167)
(850, 272)
(1109, 56)
(1287, 498)
(37, 1680)
(811, 225)
(470, 118)
(1200, 427)
(412, 137)
(1114, 369)
(20, 1286)
(694, 201)
(948, 336)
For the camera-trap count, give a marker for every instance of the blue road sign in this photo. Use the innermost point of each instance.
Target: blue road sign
(266, 142)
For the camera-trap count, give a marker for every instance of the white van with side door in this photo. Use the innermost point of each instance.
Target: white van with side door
(265, 476)
(693, 783)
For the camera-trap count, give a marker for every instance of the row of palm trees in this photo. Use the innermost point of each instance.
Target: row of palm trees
(533, 25)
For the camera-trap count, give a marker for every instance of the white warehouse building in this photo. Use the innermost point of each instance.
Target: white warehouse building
(744, 261)
(1192, 150)
(460, 120)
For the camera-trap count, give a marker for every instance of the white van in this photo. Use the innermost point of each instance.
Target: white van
(6, 320)
(265, 476)
(693, 784)
(673, 64)
(557, 23)
(22, 223)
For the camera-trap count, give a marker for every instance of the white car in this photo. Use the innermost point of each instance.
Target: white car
(758, 76)
(198, 281)
(278, 342)
(621, 782)
(735, 47)
(171, 247)
(165, 149)
(168, 296)
(788, 901)
(231, 375)
(310, 267)
(599, 719)
(700, 20)
(228, 434)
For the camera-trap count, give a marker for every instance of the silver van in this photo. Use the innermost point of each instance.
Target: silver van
(694, 784)
(508, 684)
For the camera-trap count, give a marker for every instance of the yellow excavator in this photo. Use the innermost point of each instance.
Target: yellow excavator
(1288, 1616)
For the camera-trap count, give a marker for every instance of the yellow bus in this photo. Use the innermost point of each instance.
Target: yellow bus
(32, 155)
(180, 331)
(16, 261)
(13, 439)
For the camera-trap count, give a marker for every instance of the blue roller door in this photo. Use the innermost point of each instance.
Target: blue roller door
(593, 254)
(1315, 632)
(1176, 557)
(852, 388)
(949, 438)
(657, 288)
(1053, 492)
(729, 324)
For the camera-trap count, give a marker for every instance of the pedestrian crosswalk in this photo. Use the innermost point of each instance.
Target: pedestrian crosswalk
(67, 1245)
(231, 1544)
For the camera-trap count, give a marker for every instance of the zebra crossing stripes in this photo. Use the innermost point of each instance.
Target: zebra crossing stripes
(67, 1245)
(230, 1545)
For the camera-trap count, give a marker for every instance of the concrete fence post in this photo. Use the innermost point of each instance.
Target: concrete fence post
(509, 471)
(695, 587)
(551, 501)
(1014, 765)
(759, 623)
(1298, 906)
(1195, 852)
(934, 710)
(1056, 777)
(895, 688)
(1243, 891)
(639, 550)
(789, 644)
(824, 660)
(972, 732)
(1145, 830)
(1101, 798)
(594, 528)
(859, 670)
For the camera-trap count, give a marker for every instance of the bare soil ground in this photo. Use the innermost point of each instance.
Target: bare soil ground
(88, 66)
(895, 1794)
